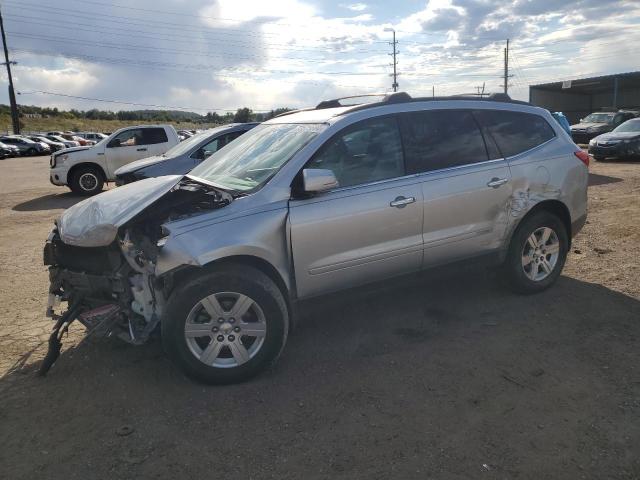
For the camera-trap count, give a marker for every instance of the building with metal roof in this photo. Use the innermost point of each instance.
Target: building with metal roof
(578, 98)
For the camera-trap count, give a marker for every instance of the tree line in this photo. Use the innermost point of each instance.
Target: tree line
(242, 115)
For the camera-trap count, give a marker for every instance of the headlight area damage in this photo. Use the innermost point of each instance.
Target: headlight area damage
(112, 288)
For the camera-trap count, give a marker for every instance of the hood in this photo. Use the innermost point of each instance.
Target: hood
(589, 125)
(71, 149)
(94, 222)
(144, 162)
(618, 136)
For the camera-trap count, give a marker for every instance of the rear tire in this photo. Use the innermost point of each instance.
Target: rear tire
(204, 339)
(537, 253)
(87, 181)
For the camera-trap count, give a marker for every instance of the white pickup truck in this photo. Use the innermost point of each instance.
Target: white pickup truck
(86, 169)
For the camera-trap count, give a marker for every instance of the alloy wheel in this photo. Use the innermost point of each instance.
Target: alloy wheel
(540, 254)
(225, 329)
(88, 181)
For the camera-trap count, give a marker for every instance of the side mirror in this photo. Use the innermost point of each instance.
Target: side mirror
(317, 180)
(114, 143)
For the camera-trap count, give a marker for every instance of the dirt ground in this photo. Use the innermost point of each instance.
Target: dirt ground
(448, 376)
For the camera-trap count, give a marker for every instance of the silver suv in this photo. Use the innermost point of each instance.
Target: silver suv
(312, 202)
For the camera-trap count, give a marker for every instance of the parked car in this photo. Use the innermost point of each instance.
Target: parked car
(313, 202)
(622, 142)
(92, 136)
(75, 138)
(7, 150)
(598, 123)
(186, 133)
(25, 145)
(184, 156)
(85, 169)
(53, 146)
(64, 141)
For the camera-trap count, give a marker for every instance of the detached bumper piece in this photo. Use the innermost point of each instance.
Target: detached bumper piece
(55, 339)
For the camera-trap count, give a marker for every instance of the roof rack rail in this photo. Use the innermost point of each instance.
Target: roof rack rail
(402, 97)
(334, 103)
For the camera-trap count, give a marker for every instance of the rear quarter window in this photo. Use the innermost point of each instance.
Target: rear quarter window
(515, 132)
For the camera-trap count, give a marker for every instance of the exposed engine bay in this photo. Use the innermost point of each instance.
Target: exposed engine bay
(113, 289)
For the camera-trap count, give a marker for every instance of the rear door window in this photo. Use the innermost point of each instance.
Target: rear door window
(515, 132)
(154, 135)
(437, 139)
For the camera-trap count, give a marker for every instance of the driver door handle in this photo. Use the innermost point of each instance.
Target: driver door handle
(496, 182)
(401, 202)
(142, 149)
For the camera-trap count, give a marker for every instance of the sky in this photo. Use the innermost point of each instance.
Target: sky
(220, 55)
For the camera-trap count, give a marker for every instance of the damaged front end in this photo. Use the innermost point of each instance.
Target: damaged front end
(102, 257)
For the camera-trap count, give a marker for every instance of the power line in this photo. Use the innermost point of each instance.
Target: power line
(185, 38)
(148, 23)
(121, 102)
(182, 66)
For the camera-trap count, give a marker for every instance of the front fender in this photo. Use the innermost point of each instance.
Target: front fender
(261, 235)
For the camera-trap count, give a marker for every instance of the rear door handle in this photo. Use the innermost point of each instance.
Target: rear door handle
(401, 202)
(142, 149)
(496, 182)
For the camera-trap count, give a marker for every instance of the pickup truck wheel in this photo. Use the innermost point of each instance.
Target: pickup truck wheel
(225, 326)
(537, 253)
(86, 181)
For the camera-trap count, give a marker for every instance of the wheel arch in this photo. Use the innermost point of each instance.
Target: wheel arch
(185, 274)
(555, 207)
(77, 166)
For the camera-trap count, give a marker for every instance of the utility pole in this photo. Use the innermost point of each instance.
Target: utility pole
(12, 97)
(394, 44)
(506, 68)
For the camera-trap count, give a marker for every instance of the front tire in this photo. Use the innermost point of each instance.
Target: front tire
(225, 326)
(86, 181)
(537, 253)
(598, 158)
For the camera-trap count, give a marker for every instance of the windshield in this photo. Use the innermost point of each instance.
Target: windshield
(629, 126)
(186, 145)
(599, 118)
(250, 161)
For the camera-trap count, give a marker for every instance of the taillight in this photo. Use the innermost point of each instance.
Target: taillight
(583, 156)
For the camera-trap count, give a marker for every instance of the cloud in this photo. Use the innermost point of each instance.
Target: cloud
(225, 54)
(355, 7)
(444, 19)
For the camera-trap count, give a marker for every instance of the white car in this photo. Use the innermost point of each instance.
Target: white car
(58, 138)
(92, 136)
(86, 169)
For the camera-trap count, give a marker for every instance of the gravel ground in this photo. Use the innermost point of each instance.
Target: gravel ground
(445, 376)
